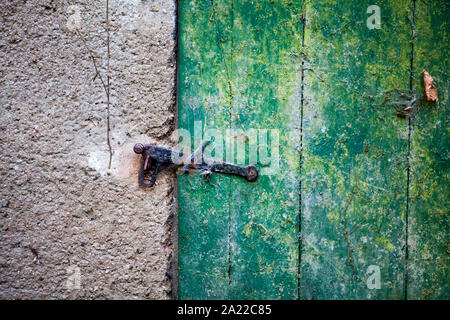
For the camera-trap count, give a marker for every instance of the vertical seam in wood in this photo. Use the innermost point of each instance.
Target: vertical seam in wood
(410, 124)
(299, 237)
(347, 234)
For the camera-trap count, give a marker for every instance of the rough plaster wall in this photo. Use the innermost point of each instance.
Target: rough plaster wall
(71, 228)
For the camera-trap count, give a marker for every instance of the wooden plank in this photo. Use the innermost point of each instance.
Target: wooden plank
(354, 150)
(239, 69)
(203, 97)
(267, 43)
(428, 261)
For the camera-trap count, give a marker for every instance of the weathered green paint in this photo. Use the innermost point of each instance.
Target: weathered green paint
(204, 208)
(266, 95)
(241, 67)
(429, 246)
(354, 150)
(236, 239)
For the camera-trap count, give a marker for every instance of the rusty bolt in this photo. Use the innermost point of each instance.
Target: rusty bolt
(252, 174)
(138, 148)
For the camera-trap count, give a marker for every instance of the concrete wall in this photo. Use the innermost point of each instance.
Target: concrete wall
(70, 227)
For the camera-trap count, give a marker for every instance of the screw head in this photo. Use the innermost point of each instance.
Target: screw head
(138, 148)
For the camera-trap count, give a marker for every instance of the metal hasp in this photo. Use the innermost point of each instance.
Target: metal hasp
(154, 158)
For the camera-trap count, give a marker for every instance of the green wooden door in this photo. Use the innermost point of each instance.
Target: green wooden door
(352, 201)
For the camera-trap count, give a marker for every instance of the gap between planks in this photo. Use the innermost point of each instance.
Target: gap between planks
(302, 85)
(408, 174)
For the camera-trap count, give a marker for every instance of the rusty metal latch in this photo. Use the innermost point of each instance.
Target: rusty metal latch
(155, 158)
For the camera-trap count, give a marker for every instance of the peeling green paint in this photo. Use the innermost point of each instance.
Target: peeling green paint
(264, 35)
(429, 225)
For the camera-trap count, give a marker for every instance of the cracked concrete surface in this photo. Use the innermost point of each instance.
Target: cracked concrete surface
(71, 227)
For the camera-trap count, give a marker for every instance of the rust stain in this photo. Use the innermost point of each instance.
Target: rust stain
(126, 165)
